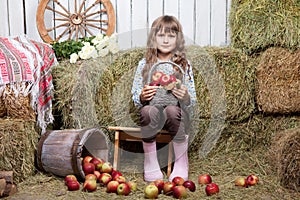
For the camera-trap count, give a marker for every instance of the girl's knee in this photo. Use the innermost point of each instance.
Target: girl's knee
(172, 112)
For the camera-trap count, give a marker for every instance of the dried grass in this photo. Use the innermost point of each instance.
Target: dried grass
(18, 140)
(285, 156)
(225, 74)
(257, 25)
(278, 79)
(16, 105)
(223, 167)
(3, 110)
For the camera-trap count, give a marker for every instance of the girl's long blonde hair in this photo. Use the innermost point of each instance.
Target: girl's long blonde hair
(166, 24)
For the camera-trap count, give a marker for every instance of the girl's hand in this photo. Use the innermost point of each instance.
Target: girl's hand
(182, 94)
(147, 93)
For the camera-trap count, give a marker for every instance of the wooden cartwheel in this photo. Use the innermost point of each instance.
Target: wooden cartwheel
(59, 20)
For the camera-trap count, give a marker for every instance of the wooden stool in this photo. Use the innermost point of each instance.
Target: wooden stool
(134, 135)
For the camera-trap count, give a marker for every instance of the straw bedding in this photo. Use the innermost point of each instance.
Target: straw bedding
(278, 79)
(18, 139)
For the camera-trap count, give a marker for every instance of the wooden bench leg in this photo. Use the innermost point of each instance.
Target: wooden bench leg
(170, 158)
(116, 151)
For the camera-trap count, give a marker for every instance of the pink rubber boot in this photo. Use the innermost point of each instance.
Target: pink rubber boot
(152, 170)
(181, 165)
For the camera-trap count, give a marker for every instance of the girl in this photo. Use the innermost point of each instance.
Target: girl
(165, 43)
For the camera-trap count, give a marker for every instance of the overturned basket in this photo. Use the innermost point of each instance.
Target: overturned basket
(164, 97)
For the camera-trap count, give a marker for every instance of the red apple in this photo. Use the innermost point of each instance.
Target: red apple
(190, 185)
(123, 189)
(105, 178)
(151, 191)
(73, 185)
(97, 162)
(88, 168)
(115, 174)
(173, 78)
(154, 84)
(159, 184)
(112, 187)
(168, 187)
(120, 179)
(240, 181)
(164, 80)
(89, 185)
(156, 76)
(204, 179)
(179, 192)
(178, 180)
(211, 189)
(91, 177)
(132, 185)
(106, 168)
(70, 177)
(97, 174)
(252, 180)
(87, 159)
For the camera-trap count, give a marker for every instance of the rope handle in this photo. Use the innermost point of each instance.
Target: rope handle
(164, 62)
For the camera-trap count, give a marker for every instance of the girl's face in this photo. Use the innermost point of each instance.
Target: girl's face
(166, 43)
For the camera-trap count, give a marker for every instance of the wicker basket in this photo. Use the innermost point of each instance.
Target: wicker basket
(163, 97)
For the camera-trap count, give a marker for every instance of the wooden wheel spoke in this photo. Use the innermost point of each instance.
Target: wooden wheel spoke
(61, 19)
(91, 6)
(94, 26)
(81, 6)
(81, 31)
(87, 30)
(95, 13)
(58, 26)
(58, 3)
(72, 31)
(96, 20)
(76, 32)
(63, 33)
(56, 11)
(75, 7)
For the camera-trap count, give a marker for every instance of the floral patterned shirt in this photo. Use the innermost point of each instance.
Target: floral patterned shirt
(166, 68)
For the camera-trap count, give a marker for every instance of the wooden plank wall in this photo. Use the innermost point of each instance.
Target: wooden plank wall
(205, 22)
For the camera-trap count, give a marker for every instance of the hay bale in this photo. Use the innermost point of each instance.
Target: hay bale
(236, 74)
(15, 105)
(253, 133)
(18, 140)
(278, 79)
(285, 157)
(3, 111)
(257, 25)
(84, 89)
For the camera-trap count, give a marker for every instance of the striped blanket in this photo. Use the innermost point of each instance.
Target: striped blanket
(28, 63)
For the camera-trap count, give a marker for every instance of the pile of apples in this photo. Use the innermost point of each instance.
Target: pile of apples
(250, 180)
(168, 82)
(179, 188)
(96, 171)
(210, 187)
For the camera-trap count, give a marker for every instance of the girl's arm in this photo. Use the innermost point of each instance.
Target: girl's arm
(137, 84)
